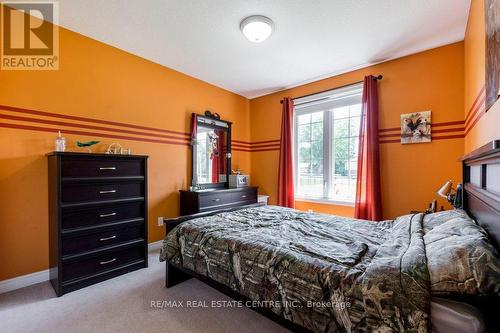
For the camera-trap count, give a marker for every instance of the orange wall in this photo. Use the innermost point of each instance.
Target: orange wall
(97, 81)
(482, 127)
(101, 82)
(410, 174)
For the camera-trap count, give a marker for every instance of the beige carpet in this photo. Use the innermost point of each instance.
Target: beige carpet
(123, 304)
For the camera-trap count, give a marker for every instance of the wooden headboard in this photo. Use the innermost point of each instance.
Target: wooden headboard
(481, 196)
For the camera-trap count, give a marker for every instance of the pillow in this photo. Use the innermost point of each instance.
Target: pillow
(435, 219)
(460, 257)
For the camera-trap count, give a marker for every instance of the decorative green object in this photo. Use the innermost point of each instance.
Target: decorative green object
(87, 144)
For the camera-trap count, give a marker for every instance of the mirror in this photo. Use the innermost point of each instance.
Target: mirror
(210, 147)
(210, 157)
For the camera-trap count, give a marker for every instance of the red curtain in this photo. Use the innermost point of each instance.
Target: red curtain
(368, 203)
(285, 178)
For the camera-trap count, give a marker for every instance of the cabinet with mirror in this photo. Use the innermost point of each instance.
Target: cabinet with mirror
(211, 169)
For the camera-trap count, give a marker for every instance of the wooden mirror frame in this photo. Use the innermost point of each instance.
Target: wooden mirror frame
(216, 124)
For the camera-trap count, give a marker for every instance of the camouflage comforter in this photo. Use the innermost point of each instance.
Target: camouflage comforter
(323, 272)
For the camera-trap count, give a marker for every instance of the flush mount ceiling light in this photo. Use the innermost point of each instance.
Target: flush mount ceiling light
(257, 28)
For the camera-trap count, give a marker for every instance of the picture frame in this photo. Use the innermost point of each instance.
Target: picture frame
(492, 28)
(416, 127)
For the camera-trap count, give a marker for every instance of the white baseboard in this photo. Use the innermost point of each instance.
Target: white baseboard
(23, 281)
(155, 246)
(42, 276)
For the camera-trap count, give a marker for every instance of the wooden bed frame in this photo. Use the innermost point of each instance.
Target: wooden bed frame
(481, 180)
(481, 200)
(175, 274)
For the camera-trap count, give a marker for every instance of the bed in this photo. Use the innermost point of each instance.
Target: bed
(324, 273)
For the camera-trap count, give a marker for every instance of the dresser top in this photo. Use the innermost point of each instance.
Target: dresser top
(70, 153)
(219, 190)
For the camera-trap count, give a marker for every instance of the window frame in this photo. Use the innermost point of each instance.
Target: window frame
(328, 135)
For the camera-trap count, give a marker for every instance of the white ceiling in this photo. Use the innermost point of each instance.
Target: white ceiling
(313, 38)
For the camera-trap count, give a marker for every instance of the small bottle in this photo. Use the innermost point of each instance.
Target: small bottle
(60, 142)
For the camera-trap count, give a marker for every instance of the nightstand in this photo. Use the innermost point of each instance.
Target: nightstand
(263, 198)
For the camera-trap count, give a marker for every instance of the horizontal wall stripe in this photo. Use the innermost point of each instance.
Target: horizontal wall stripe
(390, 141)
(474, 122)
(251, 150)
(474, 112)
(183, 138)
(390, 129)
(100, 128)
(447, 123)
(390, 135)
(236, 142)
(269, 149)
(69, 127)
(254, 147)
(256, 142)
(91, 120)
(102, 135)
(481, 93)
(249, 145)
(479, 116)
(175, 137)
(447, 130)
(435, 131)
(257, 150)
(477, 110)
(473, 107)
(264, 145)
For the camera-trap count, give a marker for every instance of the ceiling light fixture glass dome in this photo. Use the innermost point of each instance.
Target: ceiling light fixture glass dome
(257, 28)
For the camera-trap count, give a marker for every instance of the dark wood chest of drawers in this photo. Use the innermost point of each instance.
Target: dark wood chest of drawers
(193, 202)
(97, 217)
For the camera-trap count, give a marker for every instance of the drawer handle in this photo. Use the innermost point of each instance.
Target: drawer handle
(107, 168)
(216, 199)
(107, 238)
(108, 261)
(107, 215)
(110, 191)
(243, 196)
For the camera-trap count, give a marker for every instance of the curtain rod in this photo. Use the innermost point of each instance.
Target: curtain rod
(376, 78)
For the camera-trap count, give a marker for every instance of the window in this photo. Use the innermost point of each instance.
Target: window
(326, 145)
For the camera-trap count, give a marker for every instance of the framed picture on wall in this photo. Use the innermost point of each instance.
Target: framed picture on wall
(492, 20)
(416, 127)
